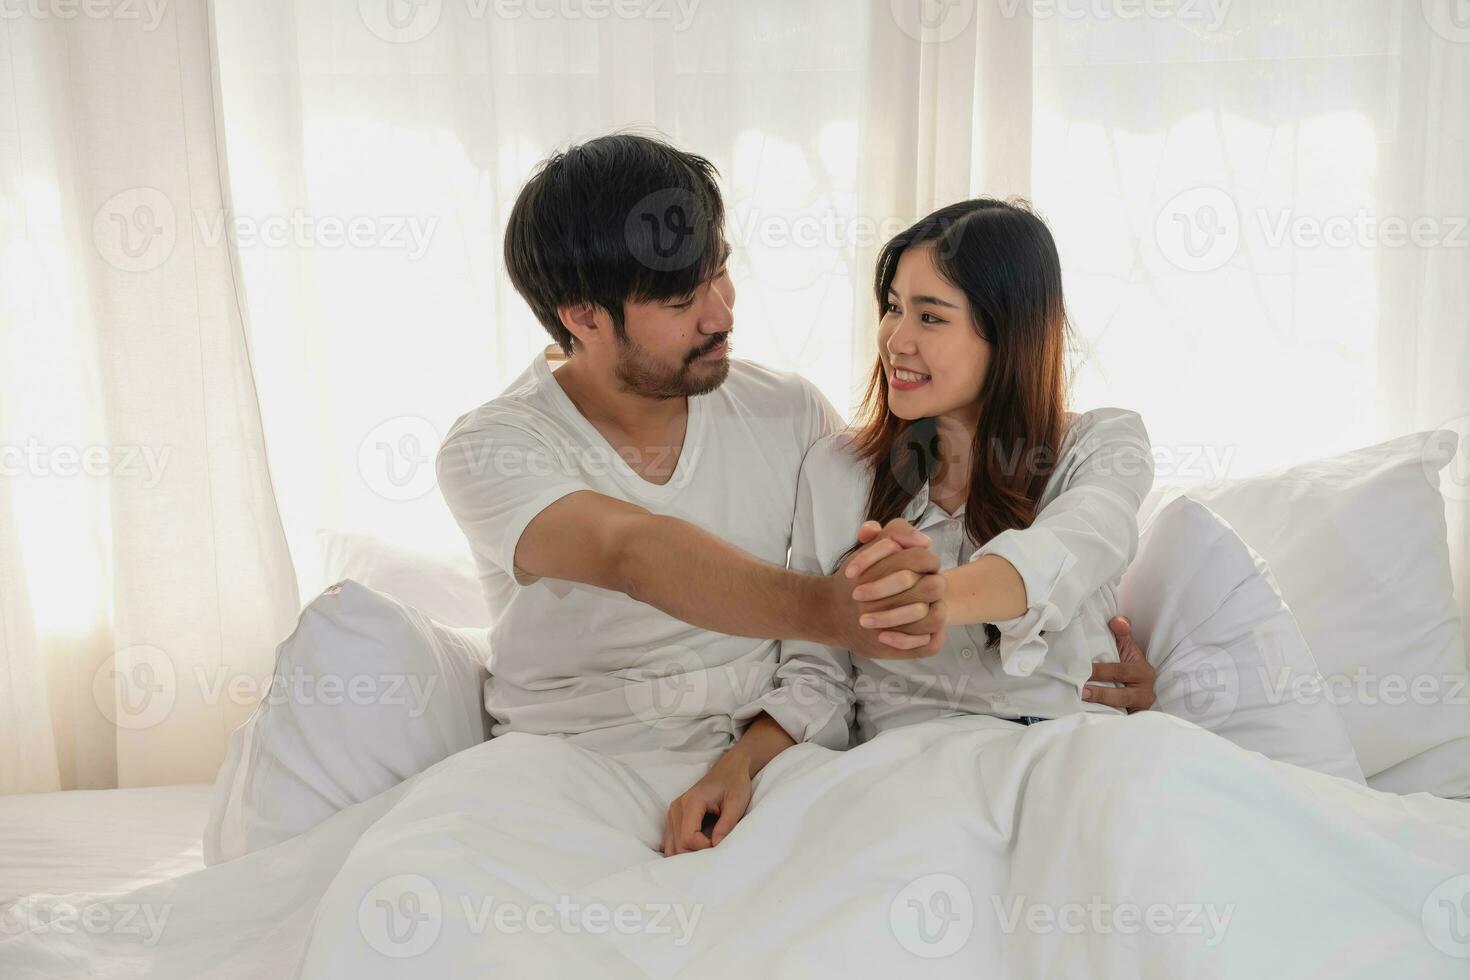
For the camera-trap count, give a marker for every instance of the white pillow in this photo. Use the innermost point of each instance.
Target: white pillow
(366, 693)
(442, 585)
(1227, 650)
(1359, 547)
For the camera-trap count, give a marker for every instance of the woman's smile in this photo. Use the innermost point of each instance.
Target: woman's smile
(902, 379)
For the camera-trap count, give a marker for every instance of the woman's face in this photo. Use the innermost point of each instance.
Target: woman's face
(933, 358)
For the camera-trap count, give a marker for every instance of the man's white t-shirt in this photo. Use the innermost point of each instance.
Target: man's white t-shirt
(608, 671)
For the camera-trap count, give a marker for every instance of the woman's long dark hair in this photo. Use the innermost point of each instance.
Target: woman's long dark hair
(1003, 258)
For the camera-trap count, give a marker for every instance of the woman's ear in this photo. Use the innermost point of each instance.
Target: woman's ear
(582, 320)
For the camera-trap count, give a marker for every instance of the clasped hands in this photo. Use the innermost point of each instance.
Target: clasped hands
(889, 602)
(887, 598)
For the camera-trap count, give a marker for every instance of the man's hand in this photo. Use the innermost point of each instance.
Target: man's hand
(1132, 670)
(889, 595)
(725, 790)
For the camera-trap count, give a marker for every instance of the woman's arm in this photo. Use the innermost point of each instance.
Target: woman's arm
(725, 790)
(986, 590)
(1032, 579)
(1080, 541)
(812, 698)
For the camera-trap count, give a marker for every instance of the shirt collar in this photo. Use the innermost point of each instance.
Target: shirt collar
(921, 512)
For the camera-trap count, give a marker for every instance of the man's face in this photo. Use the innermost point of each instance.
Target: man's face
(679, 347)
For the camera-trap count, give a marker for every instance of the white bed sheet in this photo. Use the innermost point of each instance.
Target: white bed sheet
(100, 841)
(911, 855)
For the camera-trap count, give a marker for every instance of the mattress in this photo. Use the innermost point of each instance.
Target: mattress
(99, 840)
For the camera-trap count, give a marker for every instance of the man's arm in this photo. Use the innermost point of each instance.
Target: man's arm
(695, 576)
(1133, 671)
(985, 590)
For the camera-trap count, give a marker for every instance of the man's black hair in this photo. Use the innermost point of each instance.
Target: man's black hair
(618, 218)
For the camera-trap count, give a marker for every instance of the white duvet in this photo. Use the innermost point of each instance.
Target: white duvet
(1085, 847)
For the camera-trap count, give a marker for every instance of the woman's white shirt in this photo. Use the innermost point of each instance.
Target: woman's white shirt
(1071, 559)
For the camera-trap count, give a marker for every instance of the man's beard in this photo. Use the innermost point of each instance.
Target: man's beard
(641, 374)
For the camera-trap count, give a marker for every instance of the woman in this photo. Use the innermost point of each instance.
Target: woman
(1031, 510)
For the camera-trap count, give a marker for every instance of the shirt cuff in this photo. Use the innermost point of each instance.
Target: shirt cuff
(1041, 560)
(805, 714)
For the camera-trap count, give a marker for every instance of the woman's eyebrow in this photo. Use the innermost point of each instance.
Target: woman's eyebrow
(931, 300)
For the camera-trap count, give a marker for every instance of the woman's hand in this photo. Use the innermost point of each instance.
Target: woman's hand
(893, 590)
(725, 790)
(913, 622)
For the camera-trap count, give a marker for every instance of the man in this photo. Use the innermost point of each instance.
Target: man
(630, 511)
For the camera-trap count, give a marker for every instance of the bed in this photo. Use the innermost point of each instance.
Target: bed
(100, 840)
(1162, 844)
(1089, 846)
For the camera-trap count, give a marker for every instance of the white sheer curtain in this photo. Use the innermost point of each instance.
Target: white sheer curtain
(1184, 152)
(834, 122)
(1262, 210)
(427, 119)
(833, 127)
(144, 579)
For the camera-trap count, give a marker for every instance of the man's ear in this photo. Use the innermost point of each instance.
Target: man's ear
(584, 320)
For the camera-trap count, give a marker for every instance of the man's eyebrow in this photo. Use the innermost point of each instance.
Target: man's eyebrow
(924, 298)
